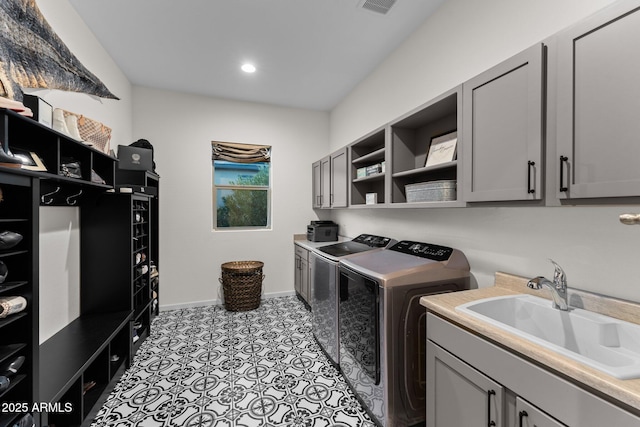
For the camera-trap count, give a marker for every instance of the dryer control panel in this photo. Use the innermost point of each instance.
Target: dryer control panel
(423, 250)
(373, 241)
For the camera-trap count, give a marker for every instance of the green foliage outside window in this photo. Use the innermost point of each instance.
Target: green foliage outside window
(244, 200)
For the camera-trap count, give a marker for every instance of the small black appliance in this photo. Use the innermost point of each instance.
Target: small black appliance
(322, 231)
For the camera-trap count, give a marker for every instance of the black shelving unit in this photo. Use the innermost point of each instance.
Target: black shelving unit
(118, 243)
(19, 331)
(78, 366)
(147, 183)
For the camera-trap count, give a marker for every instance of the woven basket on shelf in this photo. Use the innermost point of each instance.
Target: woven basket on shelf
(242, 284)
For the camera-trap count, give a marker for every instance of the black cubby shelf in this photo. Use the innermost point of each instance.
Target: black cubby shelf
(78, 355)
(19, 333)
(8, 287)
(19, 133)
(6, 351)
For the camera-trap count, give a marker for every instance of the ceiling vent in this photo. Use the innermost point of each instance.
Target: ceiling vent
(380, 6)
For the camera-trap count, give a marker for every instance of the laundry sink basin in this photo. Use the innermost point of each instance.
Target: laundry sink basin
(601, 342)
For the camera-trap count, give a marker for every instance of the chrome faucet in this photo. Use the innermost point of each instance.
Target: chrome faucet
(558, 287)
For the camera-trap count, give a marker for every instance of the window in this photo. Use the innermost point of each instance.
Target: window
(241, 186)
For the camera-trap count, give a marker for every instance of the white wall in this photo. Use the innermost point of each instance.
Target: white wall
(181, 128)
(59, 226)
(462, 39)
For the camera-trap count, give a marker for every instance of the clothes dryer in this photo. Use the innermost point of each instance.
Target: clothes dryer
(382, 336)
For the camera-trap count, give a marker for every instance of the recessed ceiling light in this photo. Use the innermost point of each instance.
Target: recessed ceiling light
(248, 68)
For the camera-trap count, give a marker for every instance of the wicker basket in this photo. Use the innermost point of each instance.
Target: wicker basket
(242, 284)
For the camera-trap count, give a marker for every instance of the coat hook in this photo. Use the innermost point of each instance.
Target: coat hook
(50, 195)
(73, 199)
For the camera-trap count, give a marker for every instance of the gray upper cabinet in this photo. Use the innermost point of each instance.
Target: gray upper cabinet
(317, 185)
(330, 181)
(503, 130)
(325, 182)
(339, 178)
(598, 105)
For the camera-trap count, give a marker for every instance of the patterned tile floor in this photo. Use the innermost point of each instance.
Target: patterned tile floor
(207, 367)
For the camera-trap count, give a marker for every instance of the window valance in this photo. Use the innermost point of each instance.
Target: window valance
(240, 153)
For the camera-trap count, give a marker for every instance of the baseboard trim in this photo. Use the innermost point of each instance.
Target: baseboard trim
(171, 307)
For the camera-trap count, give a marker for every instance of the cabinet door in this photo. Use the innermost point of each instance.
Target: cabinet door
(297, 278)
(325, 182)
(339, 180)
(528, 415)
(317, 185)
(459, 395)
(503, 130)
(598, 106)
(304, 280)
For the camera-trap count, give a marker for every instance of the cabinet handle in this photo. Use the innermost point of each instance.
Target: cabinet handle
(490, 422)
(521, 416)
(563, 159)
(529, 172)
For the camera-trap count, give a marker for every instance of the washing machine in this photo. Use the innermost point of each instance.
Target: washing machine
(382, 336)
(324, 284)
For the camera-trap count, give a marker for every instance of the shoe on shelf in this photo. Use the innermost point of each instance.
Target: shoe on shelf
(59, 122)
(25, 421)
(4, 271)
(8, 160)
(9, 239)
(11, 305)
(12, 368)
(88, 386)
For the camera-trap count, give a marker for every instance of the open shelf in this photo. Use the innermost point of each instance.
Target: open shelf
(368, 153)
(411, 137)
(23, 134)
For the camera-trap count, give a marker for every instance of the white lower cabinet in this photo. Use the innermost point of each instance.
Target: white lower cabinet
(473, 382)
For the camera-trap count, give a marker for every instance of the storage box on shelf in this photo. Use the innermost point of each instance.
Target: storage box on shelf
(368, 156)
(19, 331)
(434, 191)
(411, 137)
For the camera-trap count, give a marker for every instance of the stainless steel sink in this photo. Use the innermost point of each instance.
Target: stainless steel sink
(601, 342)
